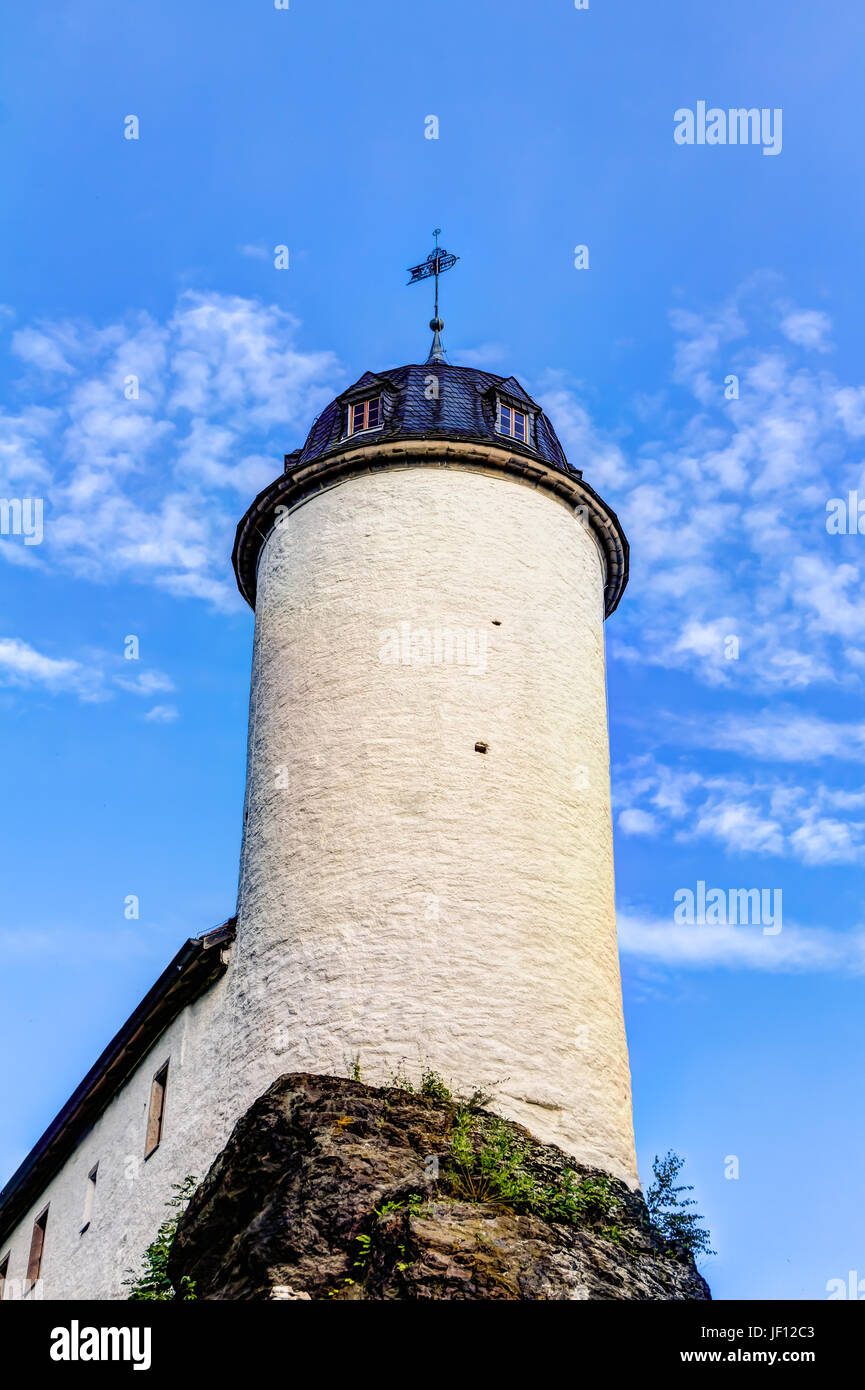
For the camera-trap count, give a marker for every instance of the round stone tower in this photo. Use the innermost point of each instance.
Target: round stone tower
(426, 876)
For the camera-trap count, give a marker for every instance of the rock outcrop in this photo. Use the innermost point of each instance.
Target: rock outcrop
(329, 1188)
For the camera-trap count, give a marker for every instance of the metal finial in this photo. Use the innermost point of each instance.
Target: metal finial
(435, 264)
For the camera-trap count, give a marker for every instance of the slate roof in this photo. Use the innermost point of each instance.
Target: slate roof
(465, 409)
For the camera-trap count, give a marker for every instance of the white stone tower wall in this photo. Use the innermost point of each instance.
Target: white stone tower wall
(405, 900)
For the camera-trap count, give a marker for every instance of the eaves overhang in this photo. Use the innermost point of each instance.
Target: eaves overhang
(302, 482)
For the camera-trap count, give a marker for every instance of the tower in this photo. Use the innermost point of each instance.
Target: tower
(427, 867)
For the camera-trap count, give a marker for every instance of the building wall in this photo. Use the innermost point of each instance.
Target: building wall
(131, 1193)
(406, 901)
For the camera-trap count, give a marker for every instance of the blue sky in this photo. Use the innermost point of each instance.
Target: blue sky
(154, 257)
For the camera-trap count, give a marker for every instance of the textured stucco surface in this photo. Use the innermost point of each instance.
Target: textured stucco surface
(130, 1193)
(405, 900)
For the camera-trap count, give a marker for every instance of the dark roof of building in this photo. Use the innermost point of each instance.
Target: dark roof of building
(429, 401)
(462, 405)
(197, 965)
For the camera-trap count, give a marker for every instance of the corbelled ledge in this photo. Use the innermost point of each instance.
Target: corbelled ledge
(292, 489)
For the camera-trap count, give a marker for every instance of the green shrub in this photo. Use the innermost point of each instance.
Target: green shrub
(152, 1281)
(667, 1209)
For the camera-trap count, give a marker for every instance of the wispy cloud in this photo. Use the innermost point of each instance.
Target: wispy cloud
(779, 735)
(734, 577)
(808, 328)
(795, 950)
(22, 665)
(162, 714)
(96, 676)
(749, 814)
(156, 436)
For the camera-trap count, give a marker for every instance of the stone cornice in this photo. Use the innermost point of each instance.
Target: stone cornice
(291, 490)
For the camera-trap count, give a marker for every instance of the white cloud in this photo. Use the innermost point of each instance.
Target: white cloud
(95, 678)
(740, 828)
(22, 665)
(850, 405)
(782, 735)
(40, 350)
(637, 822)
(794, 950)
(826, 841)
(586, 446)
(726, 514)
(808, 328)
(744, 813)
(145, 682)
(158, 435)
(162, 714)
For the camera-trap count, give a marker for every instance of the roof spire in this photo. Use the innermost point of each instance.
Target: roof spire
(435, 264)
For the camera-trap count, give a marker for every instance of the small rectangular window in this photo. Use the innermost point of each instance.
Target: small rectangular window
(37, 1247)
(4, 1270)
(89, 1199)
(514, 423)
(366, 415)
(156, 1113)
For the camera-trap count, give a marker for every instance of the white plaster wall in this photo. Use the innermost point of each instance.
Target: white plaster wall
(130, 1193)
(405, 900)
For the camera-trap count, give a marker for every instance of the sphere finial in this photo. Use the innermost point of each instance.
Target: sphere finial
(437, 262)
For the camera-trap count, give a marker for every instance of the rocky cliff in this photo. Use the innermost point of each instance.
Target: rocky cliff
(329, 1188)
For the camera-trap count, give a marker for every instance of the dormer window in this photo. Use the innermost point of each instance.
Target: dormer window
(366, 415)
(513, 422)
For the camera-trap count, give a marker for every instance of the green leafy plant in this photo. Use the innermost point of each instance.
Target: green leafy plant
(388, 1209)
(433, 1087)
(365, 1243)
(487, 1162)
(152, 1281)
(581, 1201)
(668, 1211)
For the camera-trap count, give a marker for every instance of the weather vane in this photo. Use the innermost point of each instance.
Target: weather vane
(435, 264)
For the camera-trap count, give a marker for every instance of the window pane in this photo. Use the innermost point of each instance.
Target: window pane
(505, 420)
(519, 425)
(374, 409)
(357, 417)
